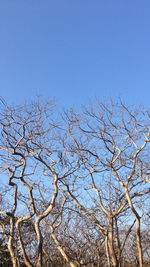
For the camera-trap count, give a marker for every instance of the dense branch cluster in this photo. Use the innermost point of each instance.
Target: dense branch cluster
(75, 188)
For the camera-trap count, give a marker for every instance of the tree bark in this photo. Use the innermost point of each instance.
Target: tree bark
(111, 243)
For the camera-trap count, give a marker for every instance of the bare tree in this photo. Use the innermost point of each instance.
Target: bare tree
(25, 133)
(112, 140)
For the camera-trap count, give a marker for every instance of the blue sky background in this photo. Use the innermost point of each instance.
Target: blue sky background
(75, 50)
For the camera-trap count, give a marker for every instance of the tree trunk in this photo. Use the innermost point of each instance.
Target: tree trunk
(111, 243)
(107, 251)
(138, 238)
(11, 244)
(138, 230)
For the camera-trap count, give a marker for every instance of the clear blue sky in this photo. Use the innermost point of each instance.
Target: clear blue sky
(74, 50)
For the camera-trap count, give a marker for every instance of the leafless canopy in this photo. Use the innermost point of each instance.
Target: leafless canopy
(74, 187)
